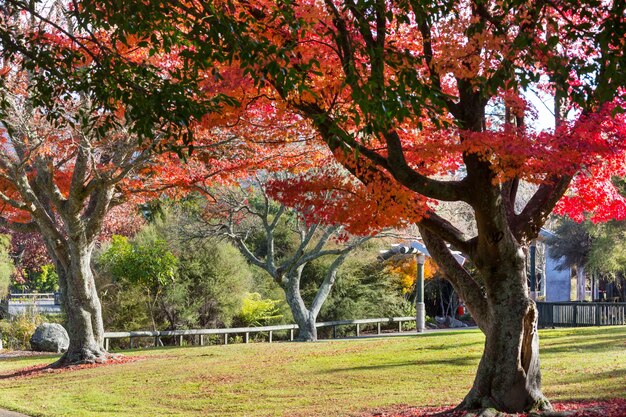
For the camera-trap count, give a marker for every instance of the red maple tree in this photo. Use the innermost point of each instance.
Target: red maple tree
(404, 93)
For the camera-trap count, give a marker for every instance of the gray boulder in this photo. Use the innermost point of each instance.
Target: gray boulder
(50, 337)
(454, 323)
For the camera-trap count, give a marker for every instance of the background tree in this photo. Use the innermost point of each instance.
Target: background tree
(595, 249)
(83, 119)
(571, 245)
(235, 212)
(150, 266)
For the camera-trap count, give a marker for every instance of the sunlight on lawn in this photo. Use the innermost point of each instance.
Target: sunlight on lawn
(330, 378)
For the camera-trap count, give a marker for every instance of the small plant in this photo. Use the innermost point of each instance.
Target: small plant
(17, 331)
(257, 311)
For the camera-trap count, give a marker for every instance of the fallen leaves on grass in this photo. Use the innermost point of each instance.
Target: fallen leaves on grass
(47, 369)
(589, 408)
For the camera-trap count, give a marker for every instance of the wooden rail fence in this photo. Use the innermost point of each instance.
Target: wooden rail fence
(565, 314)
(198, 335)
(578, 314)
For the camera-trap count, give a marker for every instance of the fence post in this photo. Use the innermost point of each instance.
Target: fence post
(550, 311)
(131, 342)
(334, 332)
(247, 337)
(291, 335)
(270, 336)
(156, 341)
(378, 328)
(399, 327)
(358, 330)
(180, 340)
(225, 338)
(201, 340)
(106, 343)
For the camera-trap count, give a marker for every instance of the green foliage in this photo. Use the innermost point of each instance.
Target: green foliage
(363, 289)
(258, 311)
(600, 248)
(212, 281)
(45, 280)
(125, 307)
(6, 265)
(158, 280)
(571, 244)
(17, 331)
(607, 254)
(150, 264)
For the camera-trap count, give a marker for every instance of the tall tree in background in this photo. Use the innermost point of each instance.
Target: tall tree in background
(238, 213)
(405, 91)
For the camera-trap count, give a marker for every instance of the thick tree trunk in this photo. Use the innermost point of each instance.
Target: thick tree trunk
(509, 375)
(307, 332)
(82, 307)
(508, 378)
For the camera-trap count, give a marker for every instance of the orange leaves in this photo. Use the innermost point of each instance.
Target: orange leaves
(331, 196)
(405, 270)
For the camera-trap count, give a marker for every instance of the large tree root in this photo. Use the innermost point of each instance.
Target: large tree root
(82, 356)
(486, 407)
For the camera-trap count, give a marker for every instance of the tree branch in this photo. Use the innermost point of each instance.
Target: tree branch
(458, 276)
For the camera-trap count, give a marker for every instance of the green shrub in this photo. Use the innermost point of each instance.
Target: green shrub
(156, 280)
(257, 311)
(6, 265)
(17, 331)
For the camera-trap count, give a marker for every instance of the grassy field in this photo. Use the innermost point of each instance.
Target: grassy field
(334, 378)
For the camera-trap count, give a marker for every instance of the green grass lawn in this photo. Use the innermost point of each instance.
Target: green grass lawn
(329, 378)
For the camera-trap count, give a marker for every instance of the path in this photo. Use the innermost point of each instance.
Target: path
(7, 413)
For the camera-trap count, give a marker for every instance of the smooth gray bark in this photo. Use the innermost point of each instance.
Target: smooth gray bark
(287, 272)
(305, 318)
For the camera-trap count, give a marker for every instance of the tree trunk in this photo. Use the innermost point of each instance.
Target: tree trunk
(509, 375)
(508, 378)
(82, 307)
(307, 332)
(304, 318)
(581, 283)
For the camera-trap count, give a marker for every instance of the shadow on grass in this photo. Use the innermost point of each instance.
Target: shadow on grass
(600, 345)
(609, 375)
(464, 361)
(24, 372)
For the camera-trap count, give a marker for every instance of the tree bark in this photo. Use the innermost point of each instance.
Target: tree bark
(305, 318)
(509, 375)
(307, 332)
(82, 307)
